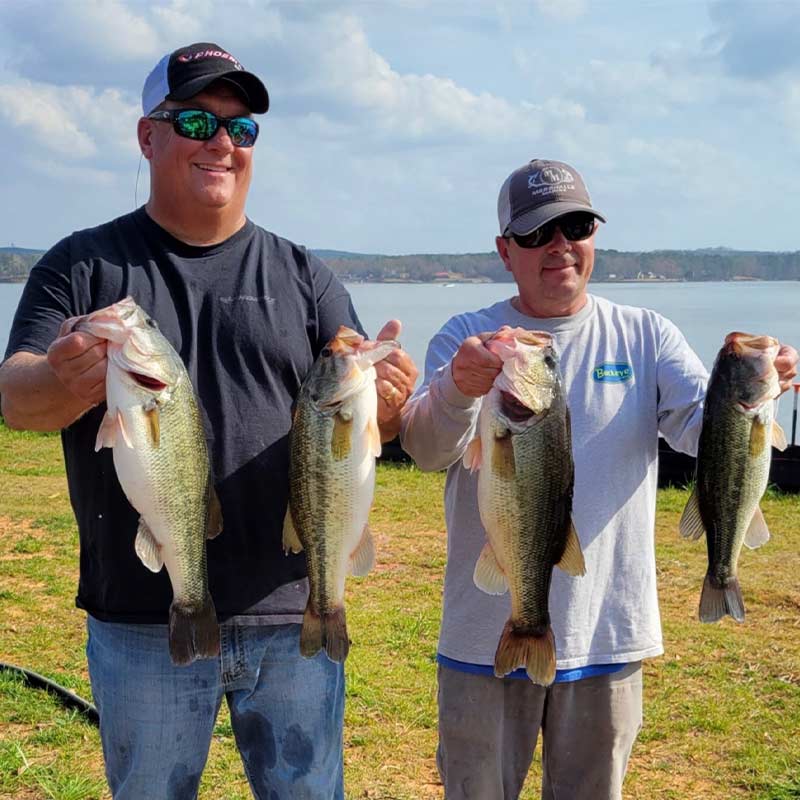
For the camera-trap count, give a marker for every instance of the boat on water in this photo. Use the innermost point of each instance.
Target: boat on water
(677, 469)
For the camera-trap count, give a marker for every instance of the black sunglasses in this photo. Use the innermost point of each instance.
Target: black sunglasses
(193, 123)
(575, 226)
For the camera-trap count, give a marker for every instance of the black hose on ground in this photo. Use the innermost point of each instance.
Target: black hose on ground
(68, 698)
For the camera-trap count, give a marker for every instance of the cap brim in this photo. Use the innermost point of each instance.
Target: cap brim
(536, 217)
(255, 93)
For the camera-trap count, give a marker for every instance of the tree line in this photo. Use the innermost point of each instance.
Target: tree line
(684, 265)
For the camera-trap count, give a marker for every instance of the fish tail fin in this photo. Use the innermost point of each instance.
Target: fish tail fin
(717, 601)
(534, 651)
(327, 631)
(193, 633)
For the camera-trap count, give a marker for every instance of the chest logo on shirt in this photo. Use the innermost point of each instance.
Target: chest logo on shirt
(612, 372)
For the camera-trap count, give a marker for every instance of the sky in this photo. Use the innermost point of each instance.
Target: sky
(393, 123)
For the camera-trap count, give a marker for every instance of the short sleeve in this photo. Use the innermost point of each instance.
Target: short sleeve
(682, 380)
(47, 300)
(334, 304)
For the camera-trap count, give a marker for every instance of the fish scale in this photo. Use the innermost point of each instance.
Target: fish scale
(154, 427)
(732, 468)
(332, 449)
(181, 459)
(323, 503)
(524, 453)
(529, 512)
(729, 496)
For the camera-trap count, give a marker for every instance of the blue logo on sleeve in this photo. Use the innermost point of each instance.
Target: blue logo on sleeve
(609, 372)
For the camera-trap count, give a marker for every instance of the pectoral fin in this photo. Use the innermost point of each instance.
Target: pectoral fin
(153, 417)
(572, 561)
(107, 433)
(291, 541)
(488, 575)
(473, 455)
(214, 514)
(147, 547)
(503, 462)
(123, 430)
(691, 525)
(363, 558)
(373, 438)
(757, 532)
(758, 437)
(779, 441)
(341, 437)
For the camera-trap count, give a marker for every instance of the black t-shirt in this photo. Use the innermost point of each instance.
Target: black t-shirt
(248, 317)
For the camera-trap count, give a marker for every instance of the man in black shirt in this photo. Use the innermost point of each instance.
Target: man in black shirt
(248, 312)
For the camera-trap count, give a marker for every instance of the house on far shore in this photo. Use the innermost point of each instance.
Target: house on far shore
(441, 277)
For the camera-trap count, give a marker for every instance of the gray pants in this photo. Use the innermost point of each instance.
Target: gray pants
(488, 729)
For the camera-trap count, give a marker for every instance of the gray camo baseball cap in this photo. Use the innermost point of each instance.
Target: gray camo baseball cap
(539, 191)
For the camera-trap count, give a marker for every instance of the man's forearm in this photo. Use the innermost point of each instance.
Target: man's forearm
(438, 423)
(33, 398)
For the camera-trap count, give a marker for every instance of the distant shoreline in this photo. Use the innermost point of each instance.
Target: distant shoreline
(456, 282)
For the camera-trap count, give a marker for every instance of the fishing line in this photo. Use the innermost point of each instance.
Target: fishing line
(136, 186)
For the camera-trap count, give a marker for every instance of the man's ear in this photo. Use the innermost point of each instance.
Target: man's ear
(502, 249)
(144, 132)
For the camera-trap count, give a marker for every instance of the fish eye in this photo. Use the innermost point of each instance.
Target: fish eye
(550, 361)
(152, 323)
(326, 351)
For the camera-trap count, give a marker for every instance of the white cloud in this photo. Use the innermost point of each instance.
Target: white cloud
(564, 10)
(112, 27)
(790, 110)
(755, 45)
(77, 176)
(351, 84)
(393, 124)
(69, 122)
(41, 115)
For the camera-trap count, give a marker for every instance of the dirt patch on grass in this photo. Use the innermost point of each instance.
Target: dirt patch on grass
(13, 531)
(394, 550)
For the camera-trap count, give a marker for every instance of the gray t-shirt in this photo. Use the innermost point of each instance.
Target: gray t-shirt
(629, 374)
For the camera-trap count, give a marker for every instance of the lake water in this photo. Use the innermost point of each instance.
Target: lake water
(705, 312)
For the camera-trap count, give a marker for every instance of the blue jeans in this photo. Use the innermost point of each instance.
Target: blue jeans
(156, 719)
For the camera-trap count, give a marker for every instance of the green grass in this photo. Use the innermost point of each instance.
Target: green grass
(722, 707)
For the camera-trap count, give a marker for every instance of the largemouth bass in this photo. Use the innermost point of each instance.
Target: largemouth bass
(732, 469)
(333, 445)
(160, 455)
(524, 453)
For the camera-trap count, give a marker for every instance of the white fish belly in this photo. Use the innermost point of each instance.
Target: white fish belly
(356, 475)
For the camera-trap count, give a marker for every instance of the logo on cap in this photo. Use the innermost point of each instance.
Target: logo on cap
(550, 177)
(186, 57)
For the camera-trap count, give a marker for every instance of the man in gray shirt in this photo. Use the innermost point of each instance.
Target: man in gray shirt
(629, 375)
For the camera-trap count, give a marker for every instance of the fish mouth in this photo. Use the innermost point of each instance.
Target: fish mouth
(740, 343)
(505, 342)
(147, 382)
(109, 323)
(367, 352)
(514, 410)
(346, 341)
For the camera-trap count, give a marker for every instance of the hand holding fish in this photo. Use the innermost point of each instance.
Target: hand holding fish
(786, 366)
(474, 367)
(395, 377)
(79, 361)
